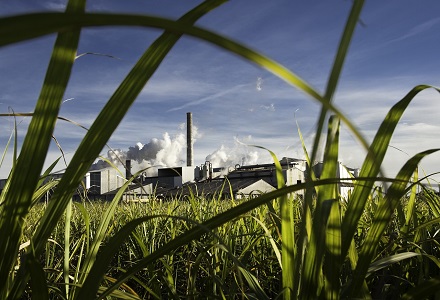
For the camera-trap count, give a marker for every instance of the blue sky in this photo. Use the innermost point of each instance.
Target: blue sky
(233, 102)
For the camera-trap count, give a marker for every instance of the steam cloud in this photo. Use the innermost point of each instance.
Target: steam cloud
(168, 152)
(164, 152)
(226, 157)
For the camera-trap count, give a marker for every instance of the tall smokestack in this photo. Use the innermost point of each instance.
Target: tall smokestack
(189, 140)
(128, 169)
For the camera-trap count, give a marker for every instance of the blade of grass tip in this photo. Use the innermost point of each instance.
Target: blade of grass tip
(6, 148)
(14, 157)
(337, 68)
(410, 206)
(314, 257)
(305, 227)
(43, 190)
(288, 249)
(333, 259)
(26, 173)
(330, 90)
(382, 218)
(109, 118)
(353, 257)
(371, 166)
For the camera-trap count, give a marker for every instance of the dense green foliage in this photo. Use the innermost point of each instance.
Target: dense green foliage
(378, 242)
(210, 266)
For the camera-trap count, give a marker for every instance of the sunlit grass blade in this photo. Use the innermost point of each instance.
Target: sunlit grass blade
(288, 247)
(382, 218)
(371, 166)
(385, 262)
(410, 206)
(26, 173)
(336, 70)
(312, 275)
(333, 260)
(353, 258)
(66, 265)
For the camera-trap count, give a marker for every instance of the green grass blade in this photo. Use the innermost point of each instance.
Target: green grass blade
(6, 148)
(337, 69)
(333, 259)
(288, 248)
(353, 258)
(371, 166)
(410, 207)
(385, 262)
(26, 173)
(312, 275)
(382, 218)
(66, 265)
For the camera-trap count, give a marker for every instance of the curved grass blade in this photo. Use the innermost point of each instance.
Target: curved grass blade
(371, 166)
(385, 262)
(337, 69)
(288, 248)
(382, 218)
(312, 275)
(25, 174)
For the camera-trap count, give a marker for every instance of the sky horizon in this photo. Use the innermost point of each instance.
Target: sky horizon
(234, 103)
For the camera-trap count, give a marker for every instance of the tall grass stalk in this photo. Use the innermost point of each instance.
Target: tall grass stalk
(327, 247)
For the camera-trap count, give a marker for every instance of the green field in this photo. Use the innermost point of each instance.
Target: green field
(379, 243)
(240, 258)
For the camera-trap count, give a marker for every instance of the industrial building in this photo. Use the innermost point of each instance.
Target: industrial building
(236, 182)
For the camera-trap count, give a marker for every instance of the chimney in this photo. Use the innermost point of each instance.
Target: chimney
(128, 169)
(189, 140)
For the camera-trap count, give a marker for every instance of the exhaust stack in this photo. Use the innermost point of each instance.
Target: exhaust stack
(128, 169)
(189, 140)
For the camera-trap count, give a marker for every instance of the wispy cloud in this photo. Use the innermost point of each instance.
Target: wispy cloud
(418, 29)
(209, 98)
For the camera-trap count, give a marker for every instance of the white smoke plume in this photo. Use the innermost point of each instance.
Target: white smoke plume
(226, 157)
(157, 153)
